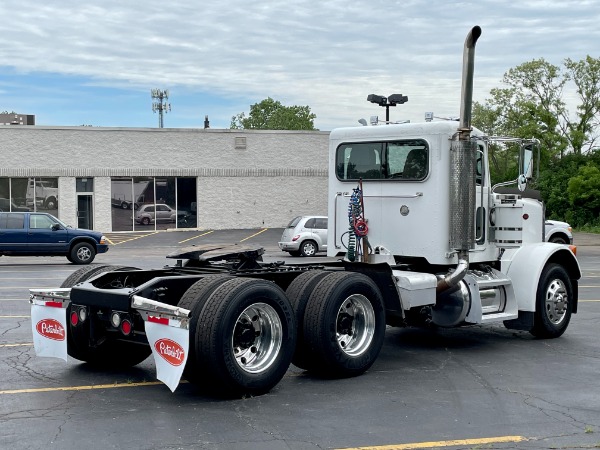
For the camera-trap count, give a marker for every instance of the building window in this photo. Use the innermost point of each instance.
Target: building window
(153, 203)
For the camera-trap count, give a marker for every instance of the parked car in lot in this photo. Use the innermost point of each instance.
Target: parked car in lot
(305, 236)
(7, 206)
(42, 234)
(150, 213)
(558, 232)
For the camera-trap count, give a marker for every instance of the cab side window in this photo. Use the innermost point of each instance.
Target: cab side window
(38, 221)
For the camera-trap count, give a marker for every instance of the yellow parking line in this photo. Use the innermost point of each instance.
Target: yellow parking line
(255, 234)
(80, 388)
(196, 237)
(109, 241)
(15, 317)
(27, 344)
(130, 237)
(585, 301)
(452, 443)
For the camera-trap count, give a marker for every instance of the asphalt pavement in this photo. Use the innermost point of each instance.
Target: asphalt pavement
(466, 388)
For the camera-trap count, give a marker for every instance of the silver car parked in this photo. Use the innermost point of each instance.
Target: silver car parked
(305, 236)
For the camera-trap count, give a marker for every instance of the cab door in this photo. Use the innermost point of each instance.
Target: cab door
(46, 235)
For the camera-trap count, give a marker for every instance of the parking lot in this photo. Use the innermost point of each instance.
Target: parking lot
(471, 388)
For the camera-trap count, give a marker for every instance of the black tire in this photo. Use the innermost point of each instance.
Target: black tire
(50, 203)
(145, 221)
(194, 299)
(245, 337)
(553, 303)
(109, 354)
(294, 252)
(298, 292)
(558, 240)
(309, 248)
(125, 205)
(82, 253)
(344, 325)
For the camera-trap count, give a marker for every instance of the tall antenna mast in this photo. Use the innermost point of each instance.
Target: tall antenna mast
(160, 104)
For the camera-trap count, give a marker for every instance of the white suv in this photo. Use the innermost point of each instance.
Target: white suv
(305, 236)
(558, 232)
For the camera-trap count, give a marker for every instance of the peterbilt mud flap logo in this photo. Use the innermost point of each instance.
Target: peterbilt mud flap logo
(171, 351)
(169, 343)
(49, 329)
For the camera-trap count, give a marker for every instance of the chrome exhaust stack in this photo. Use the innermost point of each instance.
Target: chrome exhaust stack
(462, 173)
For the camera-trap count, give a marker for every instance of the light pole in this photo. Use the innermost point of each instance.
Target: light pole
(392, 100)
(160, 104)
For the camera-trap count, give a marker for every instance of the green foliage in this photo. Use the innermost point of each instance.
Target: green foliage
(270, 114)
(570, 188)
(584, 195)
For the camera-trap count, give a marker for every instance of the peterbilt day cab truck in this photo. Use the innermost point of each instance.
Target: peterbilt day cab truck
(421, 239)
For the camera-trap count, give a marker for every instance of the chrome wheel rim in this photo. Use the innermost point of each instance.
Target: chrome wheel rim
(83, 254)
(257, 338)
(309, 249)
(557, 301)
(355, 325)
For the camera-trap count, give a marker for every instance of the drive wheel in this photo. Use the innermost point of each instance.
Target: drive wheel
(245, 337)
(344, 325)
(82, 253)
(554, 303)
(308, 248)
(145, 221)
(194, 299)
(298, 292)
(109, 353)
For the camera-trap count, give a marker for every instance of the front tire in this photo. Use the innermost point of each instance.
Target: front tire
(82, 253)
(558, 240)
(554, 303)
(245, 337)
(344, 325)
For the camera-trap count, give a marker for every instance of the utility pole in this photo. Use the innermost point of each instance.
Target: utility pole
(160, 104)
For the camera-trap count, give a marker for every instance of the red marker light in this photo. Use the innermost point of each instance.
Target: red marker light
(126, 327)
(74, 318)
(525, 216)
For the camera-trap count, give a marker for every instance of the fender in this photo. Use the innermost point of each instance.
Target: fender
(524, 267)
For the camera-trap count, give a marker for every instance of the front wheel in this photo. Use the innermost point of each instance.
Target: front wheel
(558, 240)
(245, 337)
(82, 253)
(554, 302)
(344, 325)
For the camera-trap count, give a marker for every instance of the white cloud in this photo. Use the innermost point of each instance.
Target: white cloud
(328, 55)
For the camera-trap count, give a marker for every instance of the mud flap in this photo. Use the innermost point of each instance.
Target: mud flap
(49, 323)
(169, 340)
(167, 331)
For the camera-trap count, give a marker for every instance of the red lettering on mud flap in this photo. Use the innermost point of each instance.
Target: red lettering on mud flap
(170, 351)
(51, 329)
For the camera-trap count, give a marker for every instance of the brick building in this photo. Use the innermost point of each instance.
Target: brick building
(98, 178)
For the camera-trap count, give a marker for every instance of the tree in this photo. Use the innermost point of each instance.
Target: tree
(532, 106)
(270, 114)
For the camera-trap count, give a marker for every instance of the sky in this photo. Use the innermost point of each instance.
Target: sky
(94, 62)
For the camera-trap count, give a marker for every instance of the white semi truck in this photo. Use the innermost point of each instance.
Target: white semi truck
(421, 239)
